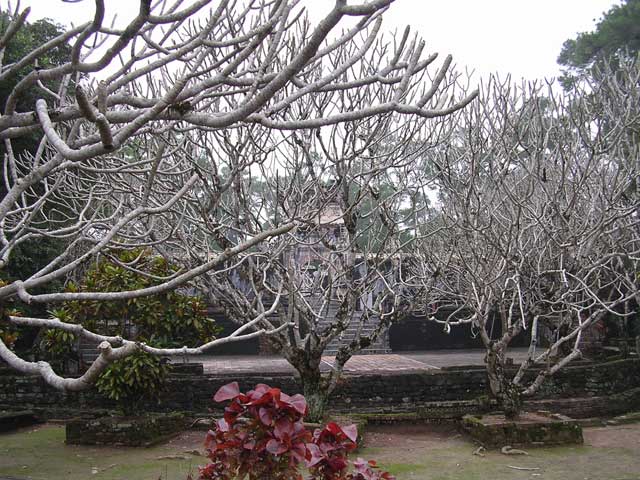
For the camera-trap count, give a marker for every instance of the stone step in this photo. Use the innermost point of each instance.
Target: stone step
(379, 346)
(329, 352)
(355, 331)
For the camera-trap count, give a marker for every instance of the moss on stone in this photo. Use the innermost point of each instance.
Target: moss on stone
(141, 431)
(534, 430)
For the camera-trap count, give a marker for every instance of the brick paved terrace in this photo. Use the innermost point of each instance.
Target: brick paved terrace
(359, 364)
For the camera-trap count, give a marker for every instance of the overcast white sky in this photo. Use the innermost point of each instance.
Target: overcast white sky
(521, 37)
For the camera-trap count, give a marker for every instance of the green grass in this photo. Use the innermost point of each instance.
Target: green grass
(450, 457)
(404, 469)
(41, 454)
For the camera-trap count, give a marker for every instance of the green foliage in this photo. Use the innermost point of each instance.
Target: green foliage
(617, 34)
(26, 259)
(8, 334)
(133, 380)
(57, 344)
(167, 319)
(30, 256)
(27, 39)
(170, 319)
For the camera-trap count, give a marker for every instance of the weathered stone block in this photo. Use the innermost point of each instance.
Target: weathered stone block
(529, 429)
(125, 431)
(12, 420)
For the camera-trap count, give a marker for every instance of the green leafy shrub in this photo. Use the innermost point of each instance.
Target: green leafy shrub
(8, 335)
(8, 332)
(169, 319)
(132, 381)
(57, 344)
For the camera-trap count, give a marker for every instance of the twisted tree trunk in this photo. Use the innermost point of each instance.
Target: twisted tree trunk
(507, 394)
(317, 396)
(315, 388)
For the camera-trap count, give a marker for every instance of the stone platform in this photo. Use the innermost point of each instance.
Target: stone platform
(529, 429)
(229, 365)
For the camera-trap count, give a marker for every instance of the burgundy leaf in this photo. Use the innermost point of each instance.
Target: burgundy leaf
(314, 455)
(265, 416)
(351, 431)
(222, 425)
(333, 428)
(261, 388)
(263, 398)
(234, 407)
(284, 427)
(299, 403)
(275, 447)
(328, 446)
(227, 392)
(337, 464)
(360, 464)
(262, 433)
(299, 452)
(250, 445)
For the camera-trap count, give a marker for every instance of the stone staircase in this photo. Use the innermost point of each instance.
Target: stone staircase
(379, 346)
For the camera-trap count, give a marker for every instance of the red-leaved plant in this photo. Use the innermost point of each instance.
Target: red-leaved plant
(327, 453)
(262, 436)
(368, 471)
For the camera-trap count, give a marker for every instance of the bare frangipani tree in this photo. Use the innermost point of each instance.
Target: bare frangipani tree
(359, 191)
(539, 221)
(142, 142)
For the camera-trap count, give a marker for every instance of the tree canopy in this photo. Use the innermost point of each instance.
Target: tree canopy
(146, 134)
(616, 34)
(31, 255)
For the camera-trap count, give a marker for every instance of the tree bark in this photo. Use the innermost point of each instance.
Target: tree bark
(317, 398)
(501, 388)
(315, 388)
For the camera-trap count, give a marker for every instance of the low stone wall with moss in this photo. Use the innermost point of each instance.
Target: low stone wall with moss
(581, 391)
(124, 431)
(530, 429)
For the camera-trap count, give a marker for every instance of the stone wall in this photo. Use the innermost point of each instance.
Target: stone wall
(124, 431)
(582, 390)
